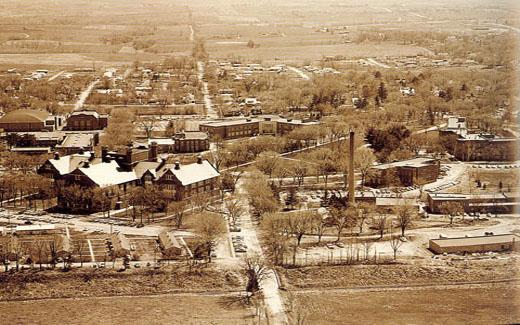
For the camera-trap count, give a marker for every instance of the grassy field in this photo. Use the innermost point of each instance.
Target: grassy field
(486, 305)
(178, 309)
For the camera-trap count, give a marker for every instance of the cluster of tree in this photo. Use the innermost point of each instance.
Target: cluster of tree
(28, 188)
(260, 194)
(120, 130)
(387, 140)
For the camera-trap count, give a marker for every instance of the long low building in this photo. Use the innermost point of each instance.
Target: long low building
(478, 244)
(247, 127)
(507, 202)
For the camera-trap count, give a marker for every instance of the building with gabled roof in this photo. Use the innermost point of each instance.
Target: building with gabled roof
(170, 246)
(58, 167)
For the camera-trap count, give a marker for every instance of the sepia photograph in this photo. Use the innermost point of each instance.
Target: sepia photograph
(259, 162)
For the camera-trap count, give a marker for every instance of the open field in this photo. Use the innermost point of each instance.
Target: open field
(165, 309)
(477, 305)
(399, 274)
(108, 282)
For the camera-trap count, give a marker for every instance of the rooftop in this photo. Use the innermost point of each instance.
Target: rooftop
(191, 173)
(25, 116)
(474, 241)
(415, 162)
(107, 174)
(77, 140)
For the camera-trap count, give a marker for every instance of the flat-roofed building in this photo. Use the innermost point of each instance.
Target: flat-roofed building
(252, 126)
(76, 143)
(506, 202)
(190, 142)
(416, 171)
(472, 145)
(478, 244)
(86, 120)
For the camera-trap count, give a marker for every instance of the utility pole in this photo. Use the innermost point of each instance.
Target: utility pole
(351, 180)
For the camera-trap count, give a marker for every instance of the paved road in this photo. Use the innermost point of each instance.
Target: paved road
(84, 95)
(269, 285)
(300, 73)
(56, 75)
(376, 63)
(210, 109)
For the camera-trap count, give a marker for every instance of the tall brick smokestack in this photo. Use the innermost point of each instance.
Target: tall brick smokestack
(351, 177)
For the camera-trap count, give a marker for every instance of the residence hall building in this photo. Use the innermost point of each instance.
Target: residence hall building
(247, 127)
(472, 145)
(86, 121)
(29, 120)
(416, 171)
(133, 167)
(478, 244)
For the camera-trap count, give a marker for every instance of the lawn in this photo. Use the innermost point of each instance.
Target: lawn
(167, 309)
(485, 305)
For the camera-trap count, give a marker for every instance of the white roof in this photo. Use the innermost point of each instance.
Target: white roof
(193, 173)
(108, 174)
(37, 227)
(67, 164)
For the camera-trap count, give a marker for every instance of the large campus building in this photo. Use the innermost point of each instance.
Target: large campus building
(133, 167)
(416, 171)
(468, 145)
(247, 127)
(29, 120)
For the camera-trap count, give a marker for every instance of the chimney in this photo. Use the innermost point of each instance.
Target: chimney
(161, 164)
(177, 165)
(128, 157)
(152, 153)
(56, 156)
(86, 164)
(92, 155)
(351, 181)
(104, 154)
(199, 159)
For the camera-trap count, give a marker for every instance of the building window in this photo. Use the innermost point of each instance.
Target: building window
(77, 177)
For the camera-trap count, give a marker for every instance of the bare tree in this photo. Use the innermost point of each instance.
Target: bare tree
(209, 228)
(255, 270)
(233, 209)
(364, 159)
(452, 209)
(177, 209)
(380, 223)
(405, 216)
(318, 225)
(395, 244)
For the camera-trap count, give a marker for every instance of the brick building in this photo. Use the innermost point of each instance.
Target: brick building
(189, 142)
(468, 145)
(247, 127)
(86, 120)
(416, 171)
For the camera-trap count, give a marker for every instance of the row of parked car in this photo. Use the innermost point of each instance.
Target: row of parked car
(238, 244)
